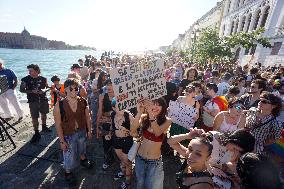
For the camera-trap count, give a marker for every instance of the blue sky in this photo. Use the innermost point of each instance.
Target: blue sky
(105, 24)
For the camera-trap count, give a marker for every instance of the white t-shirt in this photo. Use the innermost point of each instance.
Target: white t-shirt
(223, 88)
(208, 119)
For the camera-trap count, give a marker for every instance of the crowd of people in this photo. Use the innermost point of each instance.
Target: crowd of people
(235, 133)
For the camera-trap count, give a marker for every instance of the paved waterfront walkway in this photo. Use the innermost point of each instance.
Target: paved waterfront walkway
(40, 165)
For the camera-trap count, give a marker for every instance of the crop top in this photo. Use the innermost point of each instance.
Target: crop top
(151, 136)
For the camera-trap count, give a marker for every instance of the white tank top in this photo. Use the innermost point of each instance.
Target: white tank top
(228, 127)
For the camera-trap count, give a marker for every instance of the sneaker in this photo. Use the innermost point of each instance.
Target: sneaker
(124, 185)
(105, 166)
(118, 175)
(70, 179)
(86, 163)
(36, 137)
(45, 129)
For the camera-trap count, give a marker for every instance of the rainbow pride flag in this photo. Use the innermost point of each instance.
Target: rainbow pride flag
(278, 146)
(222, 102)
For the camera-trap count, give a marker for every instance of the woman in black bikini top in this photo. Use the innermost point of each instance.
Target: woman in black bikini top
(193, 173)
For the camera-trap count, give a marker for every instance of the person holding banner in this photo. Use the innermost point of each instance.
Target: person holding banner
(152, 119)
(193, 107)
(122, 141)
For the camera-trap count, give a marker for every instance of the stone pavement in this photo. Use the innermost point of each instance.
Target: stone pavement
(40, 165)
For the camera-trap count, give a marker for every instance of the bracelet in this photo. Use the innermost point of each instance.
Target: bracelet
(152, 120)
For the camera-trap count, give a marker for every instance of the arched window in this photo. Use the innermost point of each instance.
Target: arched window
(232, 27)
(249, 21)
(265, 16)
(257, 17)
(236, 26)
(243, 23)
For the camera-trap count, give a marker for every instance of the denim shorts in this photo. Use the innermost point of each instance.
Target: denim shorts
(149, 173)
(76, 147)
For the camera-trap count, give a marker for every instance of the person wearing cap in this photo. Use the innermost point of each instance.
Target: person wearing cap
(262, 122)
(76, 68)
(75, 74)
(9, 97)
(56, 91)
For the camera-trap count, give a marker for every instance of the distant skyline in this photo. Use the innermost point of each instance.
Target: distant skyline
(124, 25)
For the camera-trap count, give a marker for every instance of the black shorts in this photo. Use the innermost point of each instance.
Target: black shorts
(38, 107)
(123, 143)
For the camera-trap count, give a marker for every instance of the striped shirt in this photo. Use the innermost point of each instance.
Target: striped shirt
(262, 129)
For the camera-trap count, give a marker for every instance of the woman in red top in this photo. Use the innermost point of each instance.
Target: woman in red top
(152, 120)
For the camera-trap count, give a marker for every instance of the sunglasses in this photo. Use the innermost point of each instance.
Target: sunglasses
(75, 89)
(238, 107)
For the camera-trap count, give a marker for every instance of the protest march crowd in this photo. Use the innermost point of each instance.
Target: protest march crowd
(224, 122)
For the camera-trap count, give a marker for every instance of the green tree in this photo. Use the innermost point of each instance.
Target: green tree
(210, 46)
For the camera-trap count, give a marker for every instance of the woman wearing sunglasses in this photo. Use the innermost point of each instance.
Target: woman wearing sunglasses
(262, 123)
(231, 120)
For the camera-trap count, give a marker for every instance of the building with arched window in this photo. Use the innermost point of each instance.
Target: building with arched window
(232, 16)
(248, 15)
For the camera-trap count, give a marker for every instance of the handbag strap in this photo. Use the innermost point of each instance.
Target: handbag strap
(263, 123)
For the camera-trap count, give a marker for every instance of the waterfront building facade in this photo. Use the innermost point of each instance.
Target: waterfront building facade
(249, 15)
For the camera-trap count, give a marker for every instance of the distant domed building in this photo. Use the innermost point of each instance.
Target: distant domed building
(25, 32)
(25, 40)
